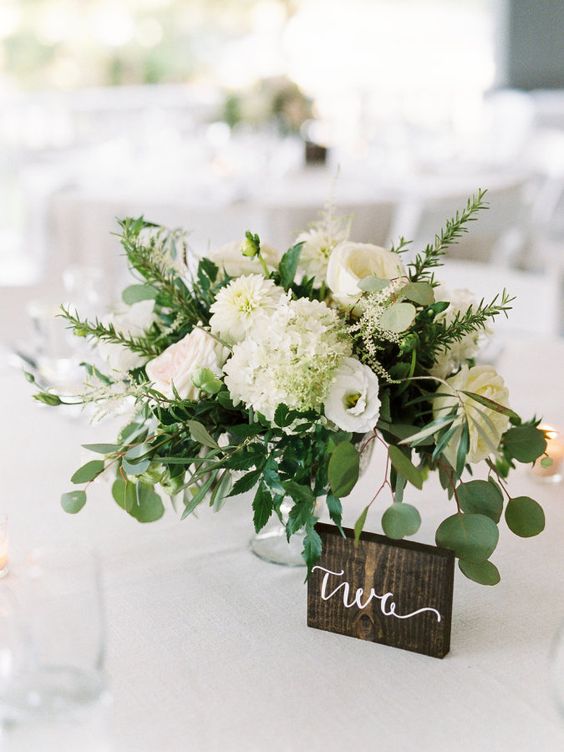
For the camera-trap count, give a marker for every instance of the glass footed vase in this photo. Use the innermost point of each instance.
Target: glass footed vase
(271, 543)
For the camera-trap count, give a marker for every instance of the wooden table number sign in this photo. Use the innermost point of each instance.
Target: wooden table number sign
(398, 593)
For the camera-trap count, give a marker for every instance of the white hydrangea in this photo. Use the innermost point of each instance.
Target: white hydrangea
(449, 361)
(290, 359)
(240, 307)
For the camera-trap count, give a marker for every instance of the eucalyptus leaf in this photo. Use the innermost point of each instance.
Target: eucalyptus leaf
(73, 501)
(149, 506)
(400, 520)
(471, 536)
(524, 516)
(419, 292)
(480, 497)
(88, 472)
(398, 317)
(524, 443)
(136, 293)
(102, 448)
(482, 572)
(125, 494)
(373, 284)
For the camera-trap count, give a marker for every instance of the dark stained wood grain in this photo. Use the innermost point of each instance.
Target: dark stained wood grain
(416, 575)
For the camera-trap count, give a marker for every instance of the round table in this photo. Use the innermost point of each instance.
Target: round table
(208, 647)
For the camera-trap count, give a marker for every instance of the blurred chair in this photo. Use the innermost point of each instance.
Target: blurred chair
(293, 204)
(502, 234)
(537, 308)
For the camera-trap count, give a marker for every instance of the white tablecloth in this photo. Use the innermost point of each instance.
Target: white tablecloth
(209, 648)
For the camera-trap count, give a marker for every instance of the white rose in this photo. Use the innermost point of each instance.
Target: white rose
(230, 258)
(485, 381)
(352, 402)
(179, 362)
(131, 321)
(448, 361)
(350, 262)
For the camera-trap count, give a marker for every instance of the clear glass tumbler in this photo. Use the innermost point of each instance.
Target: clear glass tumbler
(53, 693)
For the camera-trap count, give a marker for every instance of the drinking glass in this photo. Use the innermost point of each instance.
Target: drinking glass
(53, 693)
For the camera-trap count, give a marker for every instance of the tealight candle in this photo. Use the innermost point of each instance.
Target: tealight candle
(3, 545)
(551, 473)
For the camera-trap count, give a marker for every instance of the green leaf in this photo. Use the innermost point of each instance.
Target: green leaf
(47, 398)
(289, 265)
(135, 468)
(262, 507)
(524, 516)
(102, 448)
(88, 472)
(149, 506)
(137, 452)
(335, 509)
(524, 443)
(419, 292)
(373, 284)
(299, 492)
(359, 524)
(200, 434)
(29, 377)
(486, 402)
(281, 414)
(245, 483)
(480, 497)
(471, 536)
(400, 520)
(405, 467)
(398, 317)
(125, 494)
(73, 501)
(430, 429)
(482, 572)
(198, 497)
(312, 546)
(136, 293)
(343, 470)
(206, 380)
(462, 451)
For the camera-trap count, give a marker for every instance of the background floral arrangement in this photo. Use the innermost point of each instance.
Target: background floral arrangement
(247, 369)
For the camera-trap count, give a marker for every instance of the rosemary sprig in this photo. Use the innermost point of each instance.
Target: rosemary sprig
(431, 257)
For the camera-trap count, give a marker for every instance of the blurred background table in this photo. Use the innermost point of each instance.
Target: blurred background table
(208, 645)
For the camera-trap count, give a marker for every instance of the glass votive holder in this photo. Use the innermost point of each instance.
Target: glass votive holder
(553, 471)
(4, 545)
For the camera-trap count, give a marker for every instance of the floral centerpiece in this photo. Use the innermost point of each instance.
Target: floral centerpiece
(251, 371)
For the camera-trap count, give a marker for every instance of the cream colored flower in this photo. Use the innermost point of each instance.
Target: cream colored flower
(352, 402)
(242, 305)
(132, 321)
(229, 257)
(179, 362)
(486, 426)
(350, 262)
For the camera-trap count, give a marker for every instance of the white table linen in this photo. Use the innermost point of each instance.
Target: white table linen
(209, 648)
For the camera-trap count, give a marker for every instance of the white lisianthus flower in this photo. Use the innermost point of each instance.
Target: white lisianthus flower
(485, 381)
(229, 257)
(290, 358)
(318, 244)
(242, 305)
(350, 263)
(179, 362)
(132, 321)
(352, 402)
(450, 360)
